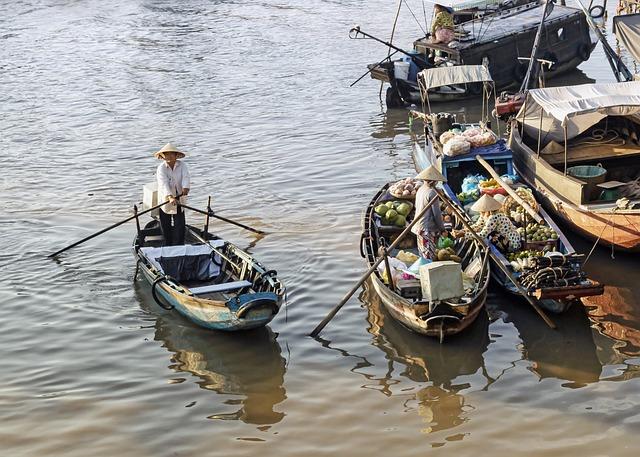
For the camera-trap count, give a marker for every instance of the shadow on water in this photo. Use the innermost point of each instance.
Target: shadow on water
(250, 365)
(567, 353)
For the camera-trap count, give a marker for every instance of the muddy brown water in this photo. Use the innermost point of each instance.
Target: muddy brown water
(257, 93)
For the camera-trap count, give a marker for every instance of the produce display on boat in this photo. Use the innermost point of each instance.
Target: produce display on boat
(405, 188)
(543, 261)
(434, 297)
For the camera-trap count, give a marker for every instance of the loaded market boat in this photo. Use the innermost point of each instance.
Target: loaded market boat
(547, 267)
(497, 41)
(579, 148)
(406, 299)
(208, 280)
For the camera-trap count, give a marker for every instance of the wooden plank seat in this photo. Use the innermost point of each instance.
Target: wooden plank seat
(224, 287)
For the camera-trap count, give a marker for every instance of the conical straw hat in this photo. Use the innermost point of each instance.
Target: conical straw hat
(431, 174)
(169, 148)
(485, 204)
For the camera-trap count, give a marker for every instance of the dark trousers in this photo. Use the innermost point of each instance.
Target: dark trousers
(173, 227)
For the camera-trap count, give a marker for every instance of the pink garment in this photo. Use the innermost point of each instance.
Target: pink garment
(427, 244)
(444, 36)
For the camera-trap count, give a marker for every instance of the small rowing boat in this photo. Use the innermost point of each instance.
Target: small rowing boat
(404, 301)
(208, 280)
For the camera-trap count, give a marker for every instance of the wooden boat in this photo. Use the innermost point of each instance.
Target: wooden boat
(584, 126)
(496, 41)
(556, 299)
(455, 168)
(437, 318)
(208, 280)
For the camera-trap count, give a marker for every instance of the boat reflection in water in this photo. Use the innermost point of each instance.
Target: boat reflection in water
(424, 360)
(567, 353)
(615, 314)
(249, 365)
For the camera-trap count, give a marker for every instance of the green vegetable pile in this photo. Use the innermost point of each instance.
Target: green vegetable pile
(393, 212)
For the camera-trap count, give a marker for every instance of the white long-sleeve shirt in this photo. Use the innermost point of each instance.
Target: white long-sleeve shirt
(172, 182)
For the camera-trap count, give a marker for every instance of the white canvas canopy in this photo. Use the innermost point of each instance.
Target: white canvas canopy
(447, 76)
(627, 29)
(576, 108)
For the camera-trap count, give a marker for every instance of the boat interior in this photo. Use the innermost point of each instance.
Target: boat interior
(207, 266)
(612, 144)
(467, 250)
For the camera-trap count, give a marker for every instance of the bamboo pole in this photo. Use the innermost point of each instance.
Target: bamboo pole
(316, 331)
(509, 190)
(497, 261)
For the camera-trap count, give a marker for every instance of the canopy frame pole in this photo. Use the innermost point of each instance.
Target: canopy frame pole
(524, 117)
(540, 133)
(493, 85)
(565, 146)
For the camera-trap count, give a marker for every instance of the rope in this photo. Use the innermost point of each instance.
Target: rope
(416, 19)
(600, 236)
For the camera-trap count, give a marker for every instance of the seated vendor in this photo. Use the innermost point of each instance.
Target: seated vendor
(442, 25)
(493, 225)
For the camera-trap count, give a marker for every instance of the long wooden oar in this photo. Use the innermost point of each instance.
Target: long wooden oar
(212, 214)
(335, 310)
(509, 190)
(497, 261)
(106, 229)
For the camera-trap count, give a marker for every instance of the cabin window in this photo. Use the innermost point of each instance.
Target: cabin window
(561, 34)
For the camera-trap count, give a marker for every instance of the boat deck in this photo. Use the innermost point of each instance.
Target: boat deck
(498, 26)
(586, 153)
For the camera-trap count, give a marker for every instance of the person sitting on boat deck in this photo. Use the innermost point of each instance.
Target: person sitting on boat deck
(173, 180)
(442, 26)
(429, 228)
(493, 225)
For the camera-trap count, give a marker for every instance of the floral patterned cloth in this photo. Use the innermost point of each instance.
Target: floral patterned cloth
(500, 224)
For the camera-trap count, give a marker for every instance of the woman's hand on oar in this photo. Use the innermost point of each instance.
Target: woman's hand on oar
(212, 214)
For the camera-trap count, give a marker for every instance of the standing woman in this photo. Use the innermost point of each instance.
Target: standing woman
(431, 225)
(442, 26)
(173, 180)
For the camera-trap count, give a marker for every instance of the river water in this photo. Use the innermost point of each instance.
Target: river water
(258, 94)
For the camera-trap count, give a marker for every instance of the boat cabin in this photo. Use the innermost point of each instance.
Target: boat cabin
(499, 39)
(582, 142)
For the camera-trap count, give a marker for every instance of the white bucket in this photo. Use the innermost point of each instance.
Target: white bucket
(401, 69)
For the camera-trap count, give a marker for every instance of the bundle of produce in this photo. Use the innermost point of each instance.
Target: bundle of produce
(538, 232)
(405, 188)
(510, 205)
(551, 277)
(393, 212)
(467, 197)
(523, 260)
(456, 146)
(446, 136)
(448, 254)
(491, 187)
(480, 137)
(559, 260)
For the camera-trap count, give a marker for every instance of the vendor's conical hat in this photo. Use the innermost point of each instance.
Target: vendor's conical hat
(485, 204)
(169, 148)
(431, 174)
